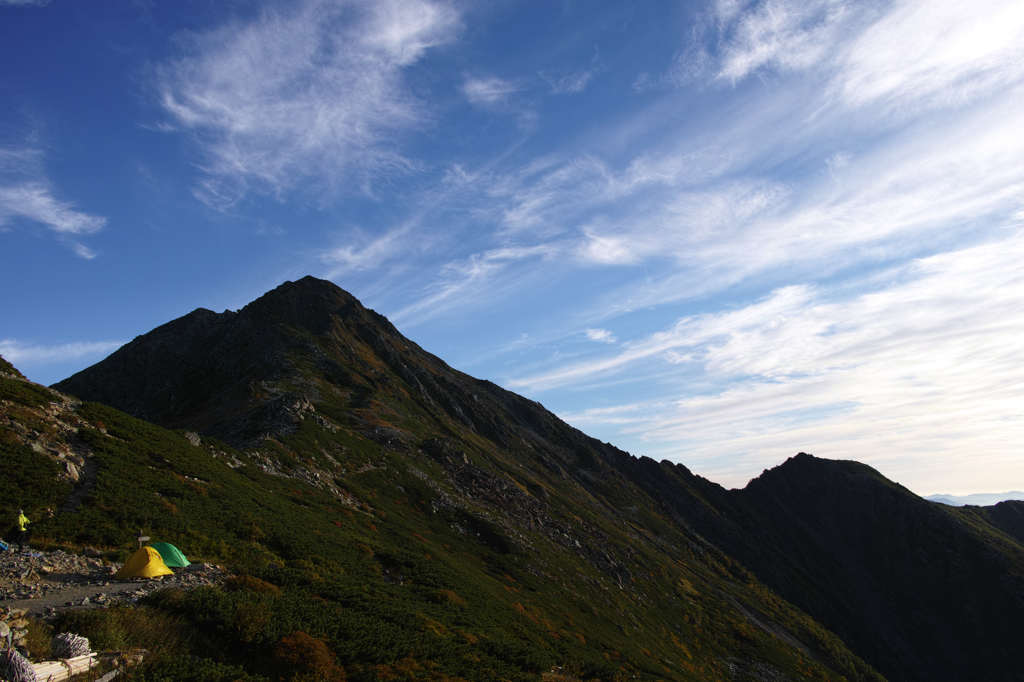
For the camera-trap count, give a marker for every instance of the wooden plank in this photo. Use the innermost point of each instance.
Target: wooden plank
(55, 671)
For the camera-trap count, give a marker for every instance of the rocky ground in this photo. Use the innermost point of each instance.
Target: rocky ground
(45, 583)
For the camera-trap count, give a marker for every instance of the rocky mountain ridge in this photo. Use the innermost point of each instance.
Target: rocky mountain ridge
(922, 591)
(528, 567)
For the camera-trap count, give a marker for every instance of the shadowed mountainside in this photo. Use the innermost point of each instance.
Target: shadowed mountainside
(920, 590)
(910, 584)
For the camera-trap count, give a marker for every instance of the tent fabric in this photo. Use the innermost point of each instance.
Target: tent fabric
(172, 556)
(144, 563)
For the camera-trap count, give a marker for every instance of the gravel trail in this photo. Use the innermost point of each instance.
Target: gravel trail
(45, 583)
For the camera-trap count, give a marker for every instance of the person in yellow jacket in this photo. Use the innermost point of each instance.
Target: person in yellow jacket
(22, 530)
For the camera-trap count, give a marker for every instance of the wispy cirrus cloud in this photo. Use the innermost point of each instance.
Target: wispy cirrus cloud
(704, 214)
(35, 201)
(539, 197)
(490, 91)
(27, 195)
(781, 34)
(309, 96)
(934, 55)
(902, 57)
(718, 217)
(363, 251)
(511, 97)
(568, 83)
(686, 334)
(473, 278)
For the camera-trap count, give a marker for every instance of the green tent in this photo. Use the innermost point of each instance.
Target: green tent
(171, 555)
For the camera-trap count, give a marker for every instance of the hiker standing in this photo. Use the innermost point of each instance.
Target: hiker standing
(23, 522)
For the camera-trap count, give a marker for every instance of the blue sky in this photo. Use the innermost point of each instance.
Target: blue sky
(719, 233)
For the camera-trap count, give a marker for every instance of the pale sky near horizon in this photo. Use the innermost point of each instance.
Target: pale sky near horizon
(715, 232)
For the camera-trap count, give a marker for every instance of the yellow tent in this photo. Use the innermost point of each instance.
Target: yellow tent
(144, 563)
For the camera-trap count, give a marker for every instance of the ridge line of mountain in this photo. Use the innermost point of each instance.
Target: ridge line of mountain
(895, 576)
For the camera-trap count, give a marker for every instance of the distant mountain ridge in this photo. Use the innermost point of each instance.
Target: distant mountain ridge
(922, 592)
(976, 499)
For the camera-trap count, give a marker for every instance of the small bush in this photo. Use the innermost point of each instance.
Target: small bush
(8, 368)
(24, 393)
(299, 656)
(127, 627)
(30, 480)
(449, 597)
(37, 639)
(9, 438)
(251, 621)
(193, 669)
(248, 583)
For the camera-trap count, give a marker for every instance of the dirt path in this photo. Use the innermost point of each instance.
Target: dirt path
(67, 597)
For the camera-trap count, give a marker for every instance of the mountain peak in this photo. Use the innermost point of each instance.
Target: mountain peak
(310, 290)
(237, 376)
(805, 468)
(305, 303)
(205, 367)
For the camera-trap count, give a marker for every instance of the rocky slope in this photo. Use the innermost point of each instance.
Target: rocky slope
(921, 591)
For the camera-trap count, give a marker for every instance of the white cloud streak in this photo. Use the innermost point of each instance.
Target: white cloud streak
(927, 54)
(370, 253)
(25, 194)
(600, 335)
(20, 353)
(489, 91)
(35, 202)
(905, 57)
(307, 96)
(464, 281)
